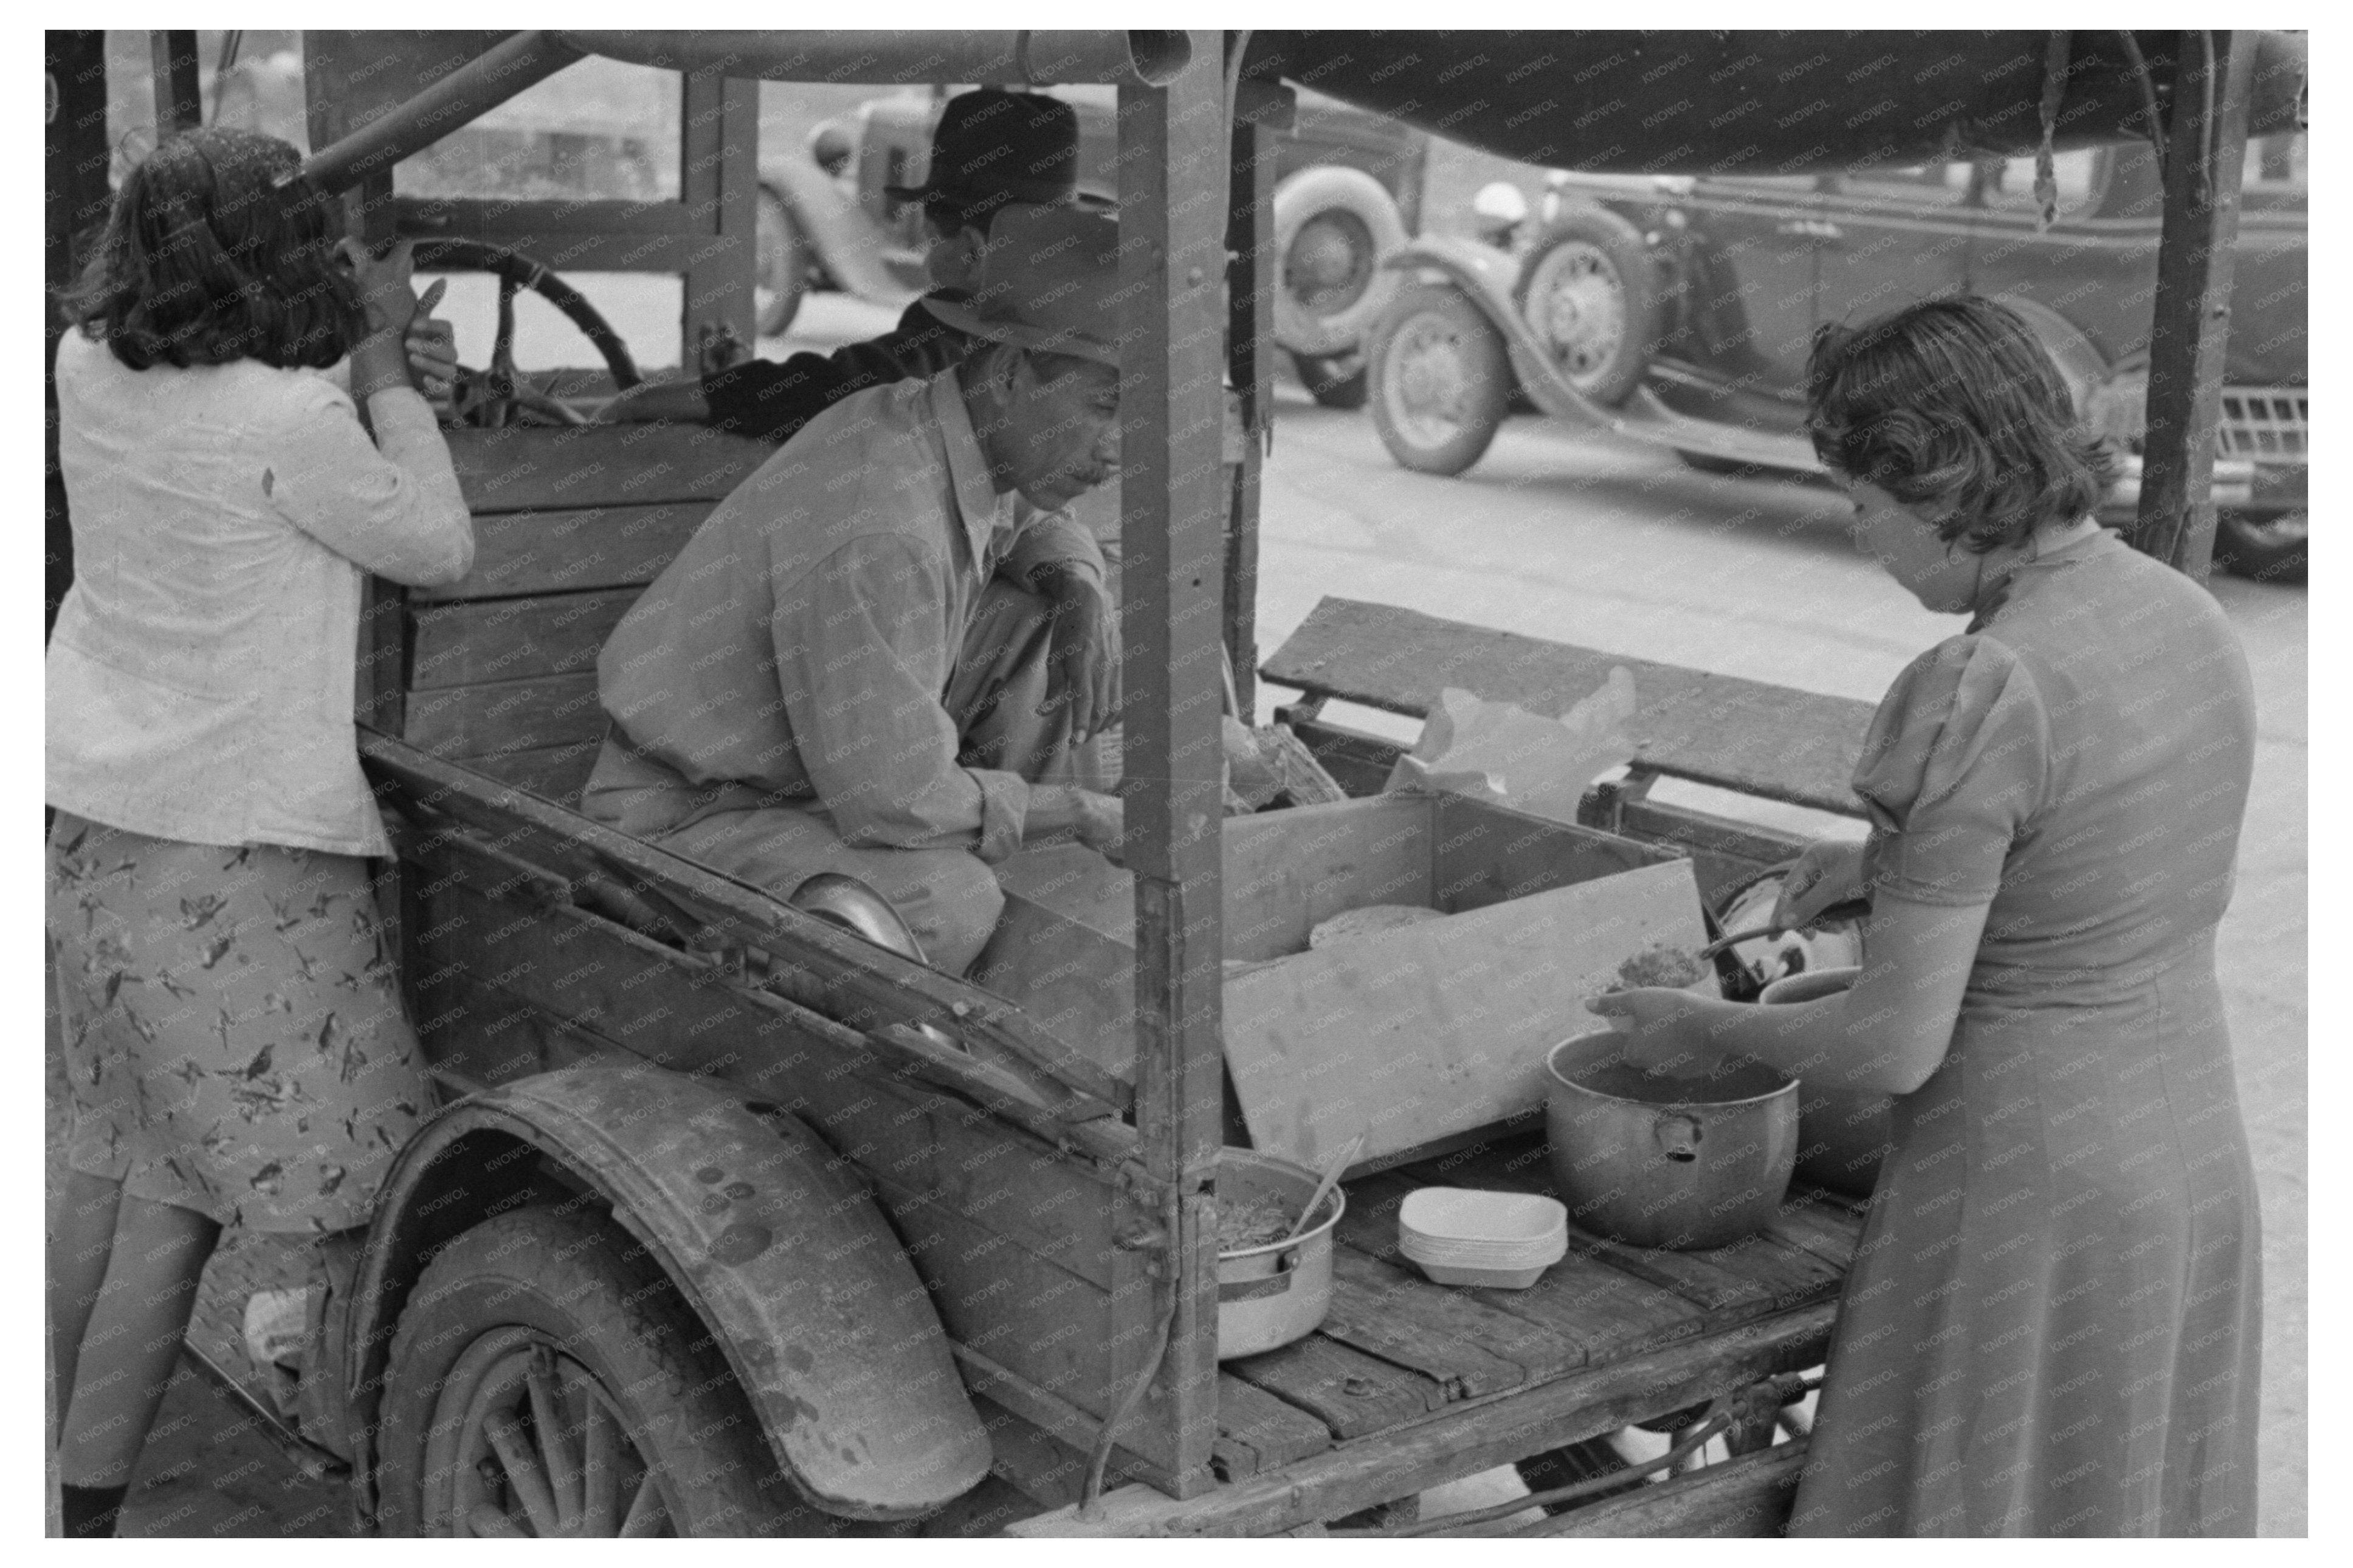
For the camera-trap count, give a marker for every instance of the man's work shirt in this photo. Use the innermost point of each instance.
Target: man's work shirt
(799, 647)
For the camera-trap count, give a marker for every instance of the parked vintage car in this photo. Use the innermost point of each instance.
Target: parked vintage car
(1684, 306)
(1348, 192)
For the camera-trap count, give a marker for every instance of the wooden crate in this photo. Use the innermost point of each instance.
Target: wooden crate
(1412, 1036)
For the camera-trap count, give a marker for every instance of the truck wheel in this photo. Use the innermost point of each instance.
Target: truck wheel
(1440, 380)
(2270, 550)
(1332, 226)
(780, 265)
(547, 1380)
(1338, 382)
(1590, 297)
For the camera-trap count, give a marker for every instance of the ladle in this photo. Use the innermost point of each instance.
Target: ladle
(1323, 1188)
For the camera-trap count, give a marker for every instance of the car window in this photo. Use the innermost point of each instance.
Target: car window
(249, 79)
(2010, 183)
(2276, 165)
(1927, 184)
(598, 130)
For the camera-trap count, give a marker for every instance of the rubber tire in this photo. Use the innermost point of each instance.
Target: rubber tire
(580, 1277)
(1329, 187)
(1620, 244)
(2243, 548)
(1488, 375)
(1331, 383)
(781, 264)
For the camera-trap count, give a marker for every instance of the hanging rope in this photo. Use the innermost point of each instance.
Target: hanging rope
(2054, 91)
(2147, 94)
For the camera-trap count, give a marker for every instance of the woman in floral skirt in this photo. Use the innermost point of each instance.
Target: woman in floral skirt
(235, 1045)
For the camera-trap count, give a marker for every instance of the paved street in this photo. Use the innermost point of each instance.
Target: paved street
(1606, 543)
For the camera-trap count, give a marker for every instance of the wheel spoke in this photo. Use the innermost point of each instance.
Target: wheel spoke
(600, 1480)
(557, 1451)
(491, 1524)
(647, 1514)
(524, 1477)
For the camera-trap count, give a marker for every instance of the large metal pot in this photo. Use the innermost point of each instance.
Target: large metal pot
(1659, 1160)
(1843, 1134)
(1271, 1295)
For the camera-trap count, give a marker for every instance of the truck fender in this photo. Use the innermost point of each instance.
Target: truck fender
(1486, 276)
(845, 240)
(774, 1241)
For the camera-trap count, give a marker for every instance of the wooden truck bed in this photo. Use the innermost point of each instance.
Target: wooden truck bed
(1408, 1382)
(534, 939)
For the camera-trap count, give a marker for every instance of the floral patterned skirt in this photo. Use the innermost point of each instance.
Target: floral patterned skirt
(232, 1032)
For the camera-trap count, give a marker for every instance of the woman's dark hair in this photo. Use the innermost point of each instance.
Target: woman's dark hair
(207, 258)
(1954, 404)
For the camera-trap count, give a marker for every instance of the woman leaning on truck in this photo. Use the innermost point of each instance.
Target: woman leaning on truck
(233, 1041)
(2051, 1327)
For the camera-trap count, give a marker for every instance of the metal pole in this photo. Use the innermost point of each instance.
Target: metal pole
(481, 84)
(179, 103)
(1172, 150)
(2205, 152)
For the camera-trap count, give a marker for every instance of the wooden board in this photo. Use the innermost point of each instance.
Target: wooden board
(1470, 1348)
(502, 716)
(511, 639)
(1257, 1431)
(1353, 1394)
(1747, 1496)
(571, 550)
(1746, 735)
(553, 773)
(1427, 1030)
(531, 469)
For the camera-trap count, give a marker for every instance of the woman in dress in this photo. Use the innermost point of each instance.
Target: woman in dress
(2051, 1324)
(233, 1041)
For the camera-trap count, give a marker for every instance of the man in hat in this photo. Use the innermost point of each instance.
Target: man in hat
(841, 671)
(990, 148)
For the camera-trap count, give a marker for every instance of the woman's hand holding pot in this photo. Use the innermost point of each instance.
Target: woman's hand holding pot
(1828, 872)
(1665, 1029)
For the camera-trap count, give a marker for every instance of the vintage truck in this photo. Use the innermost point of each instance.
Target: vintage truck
(735, 1222)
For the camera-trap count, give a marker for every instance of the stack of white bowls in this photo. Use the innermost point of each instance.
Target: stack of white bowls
(1460, 1236)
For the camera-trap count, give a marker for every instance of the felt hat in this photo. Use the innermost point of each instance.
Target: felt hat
(992, 146)
(1048, 280)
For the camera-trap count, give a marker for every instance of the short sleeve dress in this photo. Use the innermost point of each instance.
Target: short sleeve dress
(2052, 1324)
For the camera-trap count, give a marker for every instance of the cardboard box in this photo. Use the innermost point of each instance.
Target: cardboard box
(1412, 1035)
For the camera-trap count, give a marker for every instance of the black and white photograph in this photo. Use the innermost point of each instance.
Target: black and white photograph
(916, 784)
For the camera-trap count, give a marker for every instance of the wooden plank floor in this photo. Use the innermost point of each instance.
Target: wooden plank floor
(1397, 1349)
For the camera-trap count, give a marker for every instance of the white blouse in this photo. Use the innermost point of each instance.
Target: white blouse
(201, 676)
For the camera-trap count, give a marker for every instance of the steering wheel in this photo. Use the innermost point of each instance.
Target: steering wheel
(494, 396)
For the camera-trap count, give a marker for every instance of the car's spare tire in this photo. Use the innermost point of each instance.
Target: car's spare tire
(1589, 296)
(1332, 226)
(1440, 379)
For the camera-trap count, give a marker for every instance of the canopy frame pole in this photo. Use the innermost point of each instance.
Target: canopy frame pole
(1171, 263)
(179, 97)
(1261, 112)
(2206, 144)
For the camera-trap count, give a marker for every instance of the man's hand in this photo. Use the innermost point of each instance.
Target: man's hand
(1828, 872)
(1083, 666)
(1097, 821)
